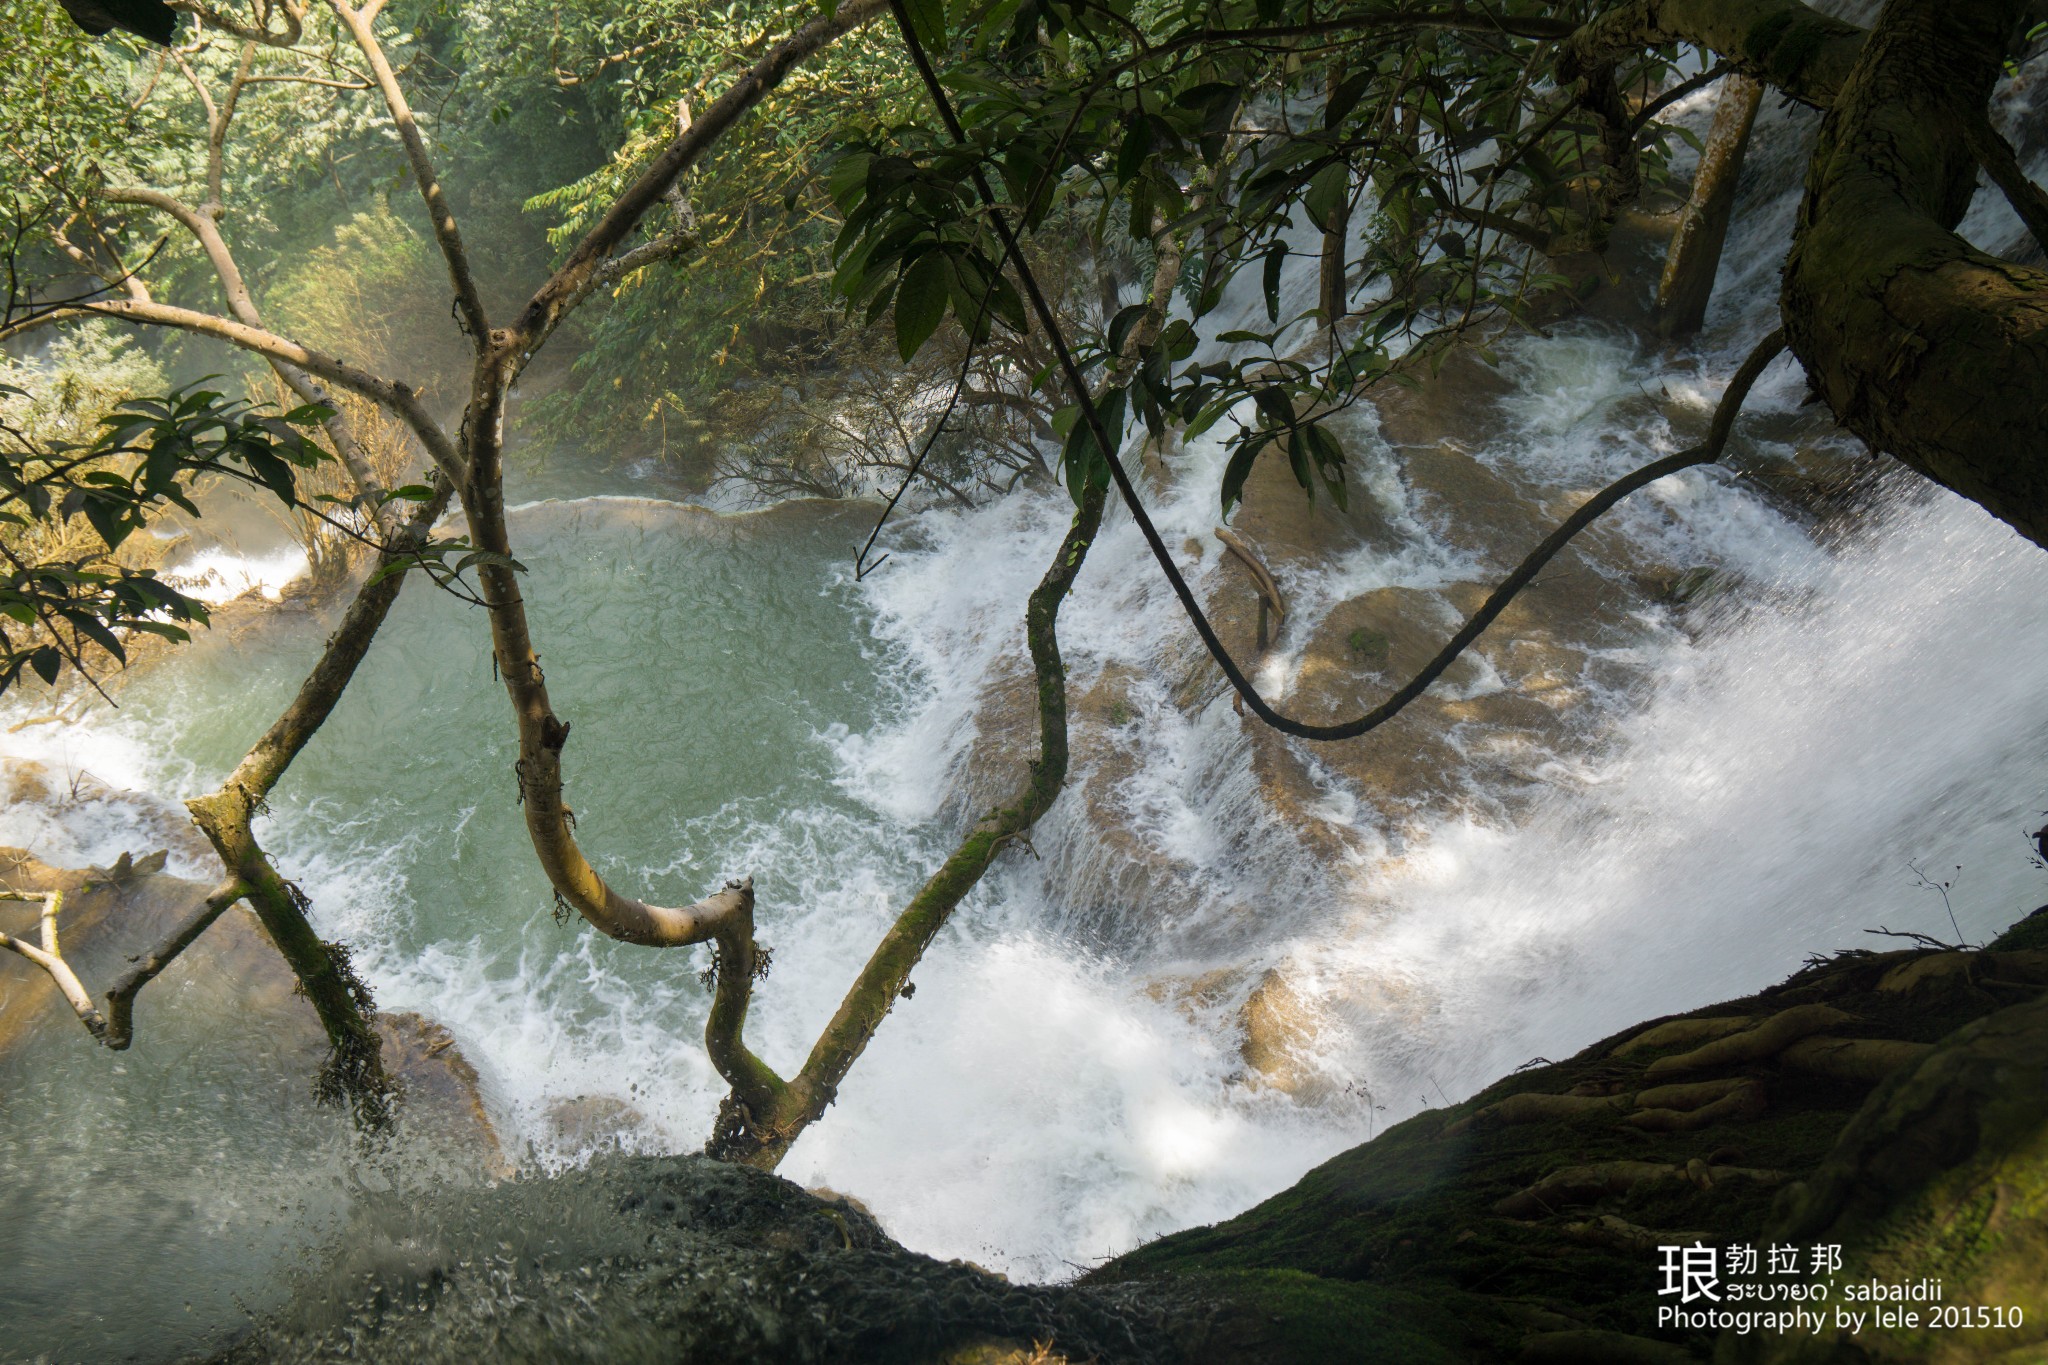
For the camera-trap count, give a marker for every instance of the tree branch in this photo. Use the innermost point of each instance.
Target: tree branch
(1076, 384)
(758, 1127)
(50, 958)
(121, 995)
(468, 303)
(354, 1069)
(294, 12)
(402, 400)
(1995, 155)
(1921, 344)
(1802, 52)
(205, 227)
(578, 275)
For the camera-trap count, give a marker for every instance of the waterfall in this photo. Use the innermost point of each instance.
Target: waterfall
(1756, 780)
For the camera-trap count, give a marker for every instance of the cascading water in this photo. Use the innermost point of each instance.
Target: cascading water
(1062, 1085)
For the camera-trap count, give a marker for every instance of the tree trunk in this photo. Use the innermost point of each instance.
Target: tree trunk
(1331, 295)
(1695, 252)
(1921, 344)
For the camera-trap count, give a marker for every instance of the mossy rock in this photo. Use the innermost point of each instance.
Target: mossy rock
(1408, 1229)
(1942, 1176)
(666, 1259)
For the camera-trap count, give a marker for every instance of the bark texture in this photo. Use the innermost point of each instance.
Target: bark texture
(1927, 348)
(1695, 252)
(1922, 345)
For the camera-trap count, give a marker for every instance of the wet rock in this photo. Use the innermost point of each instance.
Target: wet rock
(442, 1099)
(1483, 732)
(666, 1259)
(1005, 737)
(79, 800)
(1280, 1024)
(585, 1122)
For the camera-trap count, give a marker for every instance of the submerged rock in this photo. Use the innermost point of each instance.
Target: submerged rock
(230, 981)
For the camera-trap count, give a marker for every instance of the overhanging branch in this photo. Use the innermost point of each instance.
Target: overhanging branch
(399, 398)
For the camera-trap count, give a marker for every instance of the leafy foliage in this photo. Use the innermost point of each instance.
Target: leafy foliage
(1249, 131)
(147, 454)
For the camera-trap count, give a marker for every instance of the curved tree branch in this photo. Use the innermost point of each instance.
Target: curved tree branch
(1731, 402)
(579, 274)
(354, 1068)
(542, 734)
(763, 1116)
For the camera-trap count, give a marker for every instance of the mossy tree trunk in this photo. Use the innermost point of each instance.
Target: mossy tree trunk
(1924, 346)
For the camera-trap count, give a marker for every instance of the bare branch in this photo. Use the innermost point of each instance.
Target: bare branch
(1269, 588)
(468, 302)
(566, 79)
(354, 1068)
(294, 12)
(674, 246)
(121, 995)
(51, 959)
(1995, 155)
(569, 285)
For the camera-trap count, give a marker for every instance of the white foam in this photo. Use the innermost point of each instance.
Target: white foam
(218, 574)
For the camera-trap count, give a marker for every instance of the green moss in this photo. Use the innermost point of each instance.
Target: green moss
(1786, 41)
(2030, 932)
(1286, 1316)
(1370, 645)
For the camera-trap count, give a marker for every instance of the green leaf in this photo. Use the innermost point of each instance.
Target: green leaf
(108, 518)
(928, 23)
(46, 662)
(1329, 191)
(1120, 326)
(98, 634)
(920, 302)
(848, 183)
(275, 473)
(1083, 459)
(1276, 257)
(1345, 98)
(1238, 470)
(1130, 157)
